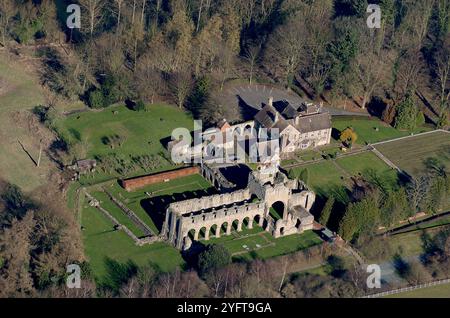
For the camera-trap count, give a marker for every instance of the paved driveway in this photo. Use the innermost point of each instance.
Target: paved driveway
(253, 96)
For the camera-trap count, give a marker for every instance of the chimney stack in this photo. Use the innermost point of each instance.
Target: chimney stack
(271, 101)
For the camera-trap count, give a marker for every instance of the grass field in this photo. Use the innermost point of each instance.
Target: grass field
(150, 209)
(410, 154)
(329, 176)
(101, 242)
(141, 134)
(19, 92)
(439, 291)
(367, 162)
(116, 212)
(257, 243)
(366, 129)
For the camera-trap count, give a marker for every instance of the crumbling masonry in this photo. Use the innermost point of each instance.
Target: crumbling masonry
(217, 213)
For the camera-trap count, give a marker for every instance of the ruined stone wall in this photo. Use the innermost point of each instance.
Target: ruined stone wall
(139, 182)
(304, 199)
(216, 177)
(221, 218)
(217, 200)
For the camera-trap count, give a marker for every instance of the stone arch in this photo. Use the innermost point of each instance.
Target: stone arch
(277, 210)
(235, 225)
(258, 219)
(202, 233)
(213, 231)
(224, 228)
(247, 222)
(248, 131)
(265, 224)
(192, 234)
(237, 131)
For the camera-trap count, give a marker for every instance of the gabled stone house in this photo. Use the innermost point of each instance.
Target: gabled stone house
(300, 126)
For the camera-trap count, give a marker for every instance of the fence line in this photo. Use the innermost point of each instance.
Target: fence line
(409, 288)
(410, 136)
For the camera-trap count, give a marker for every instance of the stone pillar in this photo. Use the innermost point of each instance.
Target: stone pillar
(250, 223)
(180, 241)
(229, 228)
(218, 230)
(196, 235)
(239, 226)
(261, 221)
(207, 233)
(285, 214)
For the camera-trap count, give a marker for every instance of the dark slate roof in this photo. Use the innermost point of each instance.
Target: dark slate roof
(266, 116)
(306, 123)
(313, 122)
(289, 112)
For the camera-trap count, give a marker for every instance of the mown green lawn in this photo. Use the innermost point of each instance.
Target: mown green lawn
(194, 184)
(116, 212)
(257, 243)
(323, 176)
(101, 241)
(282, 245)
(141, 132)
(326, 177)
(366, 163)
(439, 291)
(366, 129)
(411, 154)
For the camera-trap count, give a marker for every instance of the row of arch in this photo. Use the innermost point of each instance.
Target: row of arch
(247, 130)
(225, 228)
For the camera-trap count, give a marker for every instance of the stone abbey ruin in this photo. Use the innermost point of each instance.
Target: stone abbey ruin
(267, 197)
(185, 219)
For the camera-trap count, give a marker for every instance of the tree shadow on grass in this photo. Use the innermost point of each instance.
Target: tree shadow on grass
(117, 274)
(191, 256)
(335, 133)
(401, 266)
(342, 197)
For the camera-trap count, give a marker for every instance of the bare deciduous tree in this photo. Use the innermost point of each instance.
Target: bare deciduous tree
(251, 56)
(7, 11)
(94, 10)
(181, 84)
(443, 77)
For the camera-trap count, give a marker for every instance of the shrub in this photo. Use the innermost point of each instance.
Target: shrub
(139, 106)
(96, 99)
(348, 136)
(214, 257)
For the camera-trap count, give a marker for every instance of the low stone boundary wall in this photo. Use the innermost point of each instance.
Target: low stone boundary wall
(138, 241)
(136, 220)
(139, 182)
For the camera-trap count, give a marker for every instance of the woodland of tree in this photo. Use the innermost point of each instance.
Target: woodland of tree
(181, 51)
(184, 52)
